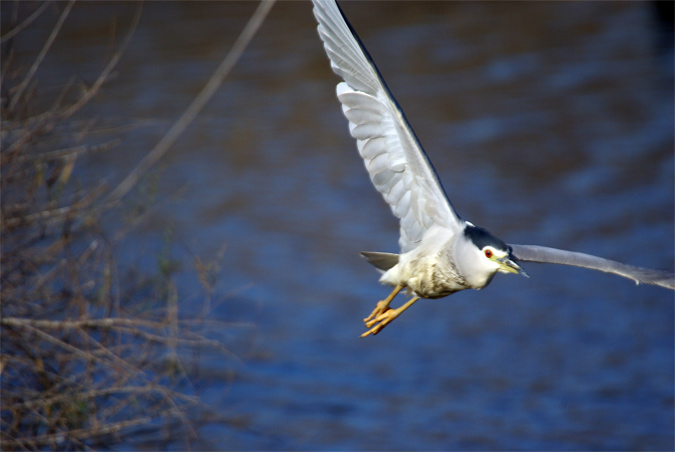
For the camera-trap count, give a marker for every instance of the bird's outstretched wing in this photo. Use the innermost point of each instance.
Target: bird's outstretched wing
(533, 253)
(394, 158)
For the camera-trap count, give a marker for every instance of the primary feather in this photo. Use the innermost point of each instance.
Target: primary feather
(543, 254)
(396, 162)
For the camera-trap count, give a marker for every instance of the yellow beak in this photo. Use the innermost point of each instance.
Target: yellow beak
(506, 265)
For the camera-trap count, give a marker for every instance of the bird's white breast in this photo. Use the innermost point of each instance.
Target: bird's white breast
(429, 270)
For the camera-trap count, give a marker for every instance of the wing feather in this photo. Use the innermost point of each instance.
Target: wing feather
(542, 254)
(378, 164)
(396, 162)
(369, 149)
(362, 115)
(396, 192)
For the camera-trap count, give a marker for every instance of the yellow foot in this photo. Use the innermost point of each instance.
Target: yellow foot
(385, 318)
(383, 305)
(382, 320)
(380, 309)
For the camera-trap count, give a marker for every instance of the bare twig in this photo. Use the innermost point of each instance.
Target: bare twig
(129, 326)
(61, 153)
(108, 322)
(29, 20)
(52, 214)
(44, 401)
(79, 352)
(84, 433)
(103, 76)
(45, 48)
(197, 104)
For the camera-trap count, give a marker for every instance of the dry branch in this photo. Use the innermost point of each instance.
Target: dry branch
(79, 361)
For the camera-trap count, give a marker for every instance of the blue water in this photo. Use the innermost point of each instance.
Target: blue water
(549, 123)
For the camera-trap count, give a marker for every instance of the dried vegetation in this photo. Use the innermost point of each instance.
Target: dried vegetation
(90, 353)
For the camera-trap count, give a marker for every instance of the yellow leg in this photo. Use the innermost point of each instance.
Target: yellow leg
(383, 305)
(386, 317)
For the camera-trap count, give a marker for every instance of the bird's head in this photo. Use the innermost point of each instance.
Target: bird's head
(479, 255)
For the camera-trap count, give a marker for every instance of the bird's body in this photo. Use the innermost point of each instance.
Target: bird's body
(440, 253)
(428, 271)
(433, 269)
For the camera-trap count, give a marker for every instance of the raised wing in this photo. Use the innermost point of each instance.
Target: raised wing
(393, 156)
(547, 255)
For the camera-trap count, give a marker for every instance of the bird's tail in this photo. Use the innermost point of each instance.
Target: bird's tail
(381, 261)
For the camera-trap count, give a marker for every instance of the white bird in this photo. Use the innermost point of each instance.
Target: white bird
(440, 253)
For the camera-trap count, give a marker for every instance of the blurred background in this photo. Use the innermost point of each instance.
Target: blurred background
(549, 123)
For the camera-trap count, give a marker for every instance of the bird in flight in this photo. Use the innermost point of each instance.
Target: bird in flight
(440, 253)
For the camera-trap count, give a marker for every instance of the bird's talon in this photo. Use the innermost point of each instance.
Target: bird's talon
(381, 307)
(376, 329)
(385, 315)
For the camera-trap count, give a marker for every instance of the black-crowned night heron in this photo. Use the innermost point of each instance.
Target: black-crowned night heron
(440, 253)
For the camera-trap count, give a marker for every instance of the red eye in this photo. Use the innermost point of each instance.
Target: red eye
(488, 253)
